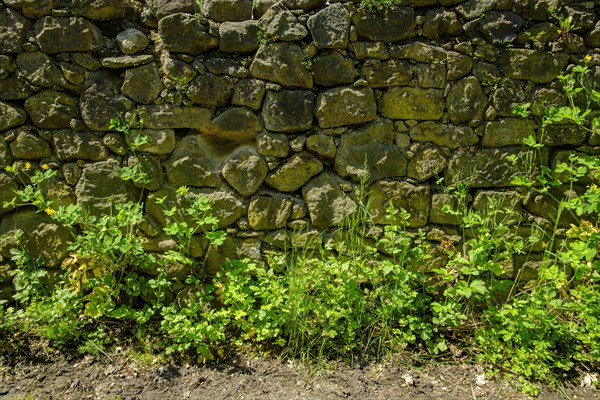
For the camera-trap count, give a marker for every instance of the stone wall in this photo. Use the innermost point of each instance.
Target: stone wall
(276, 111)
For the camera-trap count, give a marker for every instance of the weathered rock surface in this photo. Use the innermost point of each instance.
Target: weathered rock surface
(40, 70)
(401, 195)
(249, 93)
(393, 25)
(278, 23)
(533, 65)
(13, 31)
(52, 110)
(171, 117)
(143, 84)
(211, 90)
(412, 103)
(506, 132)
(101, 101)
(428, 162)
(345, 106)
(238, 37)
(283, 63)
(441, 22)
(30, 146)
(157, 141)
(330, 27)
(333, 69)
(192, 164)
(272, 144)
(294, 173)
(132, 41)
(466, 101)
(71, 145)
(11, 116)
(269, 211)
(181, 33)
(387, 73)
(236, 124)
(67, 34)
(245, 171)
(304, 4)
(227, 10)
(288, 110)
(8, 187)
(327, 203)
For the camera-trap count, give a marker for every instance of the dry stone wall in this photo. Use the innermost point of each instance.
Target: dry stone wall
(277, 110)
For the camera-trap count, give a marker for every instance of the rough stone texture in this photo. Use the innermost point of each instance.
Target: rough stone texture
(13, 88)
(401, 195)
(181, 33)
(345, 106)
(227, 10)
(170, 117)
(561, 135)
(506, 206)
(132, 41)
(178, 71)
(38, 8)
(224, 66)
(51, 109)
(537, 10)
(321, 145)
(466, 101)
(443, 135)
(420, 52)
(100, 188)
(272, 144)
(101, 101)
(506, 132)
(431, 76)
(227, 205)
(457, 65)
(193, 164)
(330, 27)
(245, 171)
(40, 70)
(158, 141)
(327, 203)
(67, 34)
(278, 23)
(269, 211)
(490, 167)
(8, 187)
(164, 8)
(304, 4)
(288, 110)
(211, 90)
(234, 249)
(441, 22)
(71, 145)
(281, 62)
(29, 146)
(150, 165)
(294, 173)
(393, 25)
(428, 162)
(249, 93)
(533, 65)
(387, 73)
(370, 153)
(500, 26)
(126, 61)
(412, 103)
(437, 214)
(238, 37)
(236, 124)
(333, 69)
(475, 8)
(13, 31)
(43, 238)
(374, 50)
(592, 39)
(11, 116)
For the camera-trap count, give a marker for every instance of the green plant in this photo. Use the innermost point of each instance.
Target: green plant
(374, 6)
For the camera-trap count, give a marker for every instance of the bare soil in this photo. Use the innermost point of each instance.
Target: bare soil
(117, 376)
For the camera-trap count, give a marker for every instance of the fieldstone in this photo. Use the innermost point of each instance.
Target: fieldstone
(321, 145)
(537, 10)
(236, 124)
(541, 98)
(501, 207)
(532, 65)
(126, 61)
(226, 204)
(582, 17)
(40, 70)
(262, 6)
(29, 146)
(492, 167)
(181, 33)
(272, 144)
(370, 50)
(592, 38)
(71, 145)
(392, 25)
(15, 88)
(333, 69)
(288, 110)
(444, 135)
(42, 238)
(164, 8)
(412, 103)
(116, 143)
(475, 8)
(281, 62)
(238, 37)
(100, 102)
(506, 132)
(11, 116)
(132, 41)
(327, 203)
(225, 66)
(227, 10)
(193, 164)
(563, 135)
(457, 65)
(102, 10)
(571, 44)
(278, 23)
(7, 66)
(149, 165)
(428, 162)
(294, 173)
(269, 211)
(13, 31)
(500, 26)
(73, 73)
(330, 27)
(8, 187)
(305, 5)
(431, 76)
(245, 172)
(100, 188)
(52, 110)
(419, 52)
(143, 84)
(466, 101)
(441, 22)
(370, 153)
(170, 117)
(249, 93)
(387, 73)
(37, 9)
(6, 157)
(158, 141)
(211, 90)
(400, 195)
(67, 34)
(437, 215)
(345, 106)
(506, 95)
(178, 71)
(233, 248)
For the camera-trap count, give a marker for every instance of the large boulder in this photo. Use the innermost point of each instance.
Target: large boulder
(30, 146)
(288, 110)
(283, 63)
(345, 106)
(67, 34)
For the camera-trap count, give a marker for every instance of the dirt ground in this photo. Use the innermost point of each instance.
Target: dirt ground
(116, 376)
